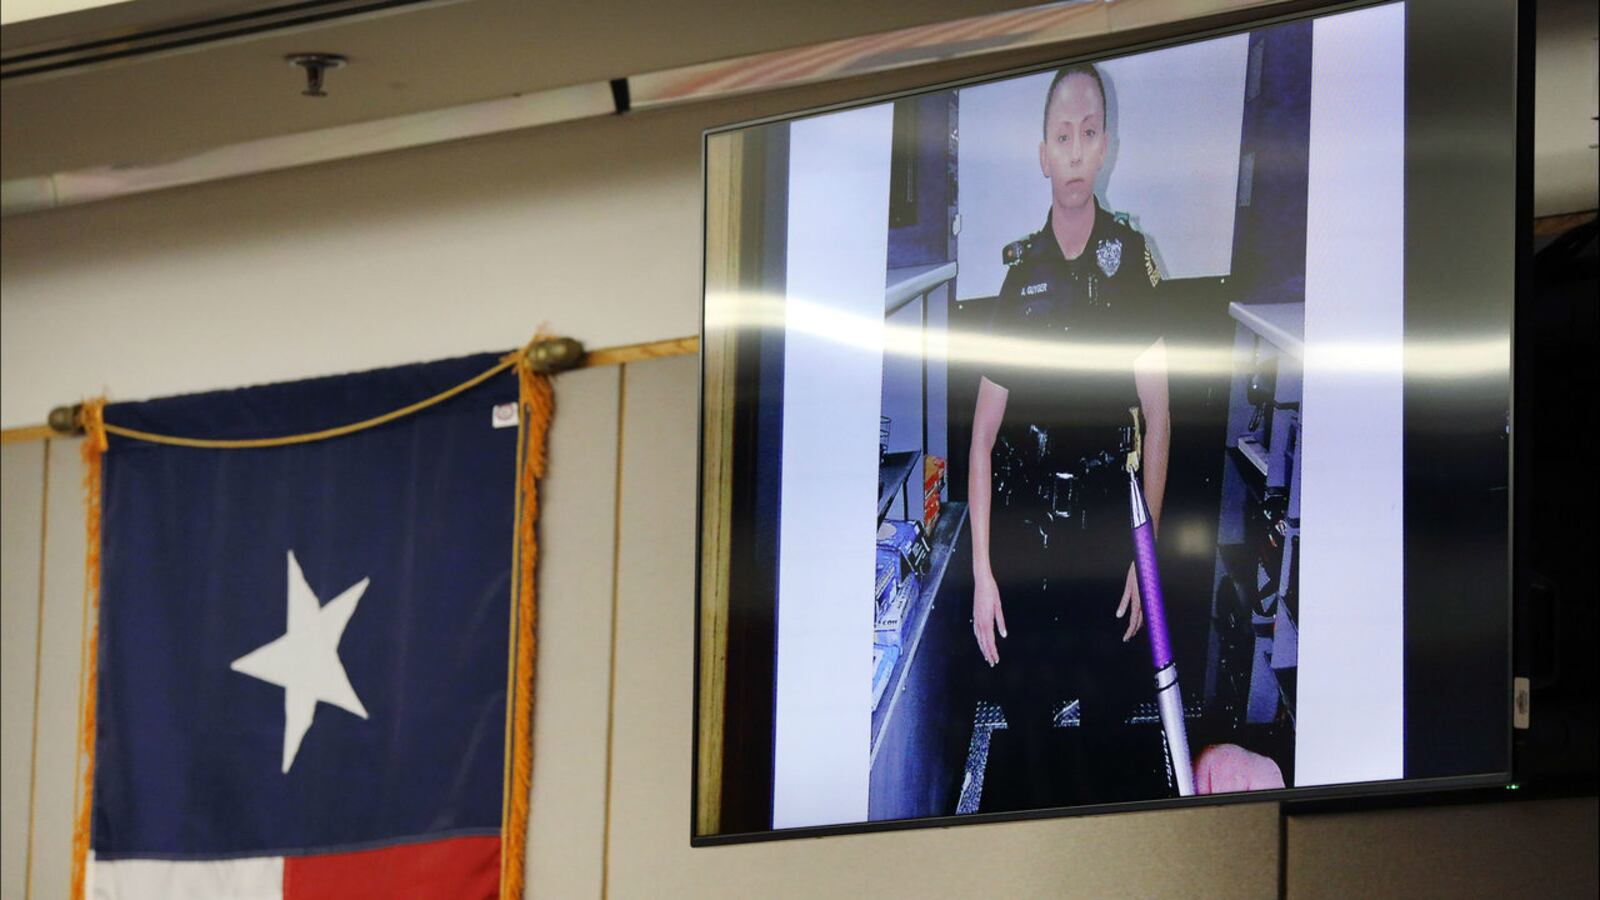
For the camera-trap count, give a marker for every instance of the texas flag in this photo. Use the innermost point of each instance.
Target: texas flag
(303, 652)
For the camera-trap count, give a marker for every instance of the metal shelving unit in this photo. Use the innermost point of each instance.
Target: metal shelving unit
(894, 475)
(1254, 634)
(898, 730)
(943, 540)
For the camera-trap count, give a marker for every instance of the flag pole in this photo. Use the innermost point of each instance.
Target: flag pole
(92, 415)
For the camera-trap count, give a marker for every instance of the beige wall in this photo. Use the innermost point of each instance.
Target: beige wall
(591, 228)
(21, 512)
(1508, 850)
(1565, 104)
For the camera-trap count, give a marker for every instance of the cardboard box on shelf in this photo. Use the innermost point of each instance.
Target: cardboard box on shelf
(934, 479)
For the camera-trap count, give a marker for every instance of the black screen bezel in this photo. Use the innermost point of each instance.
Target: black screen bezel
(1471, 99)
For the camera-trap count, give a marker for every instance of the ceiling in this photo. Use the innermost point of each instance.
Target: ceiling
(422, 55)
(418, 58)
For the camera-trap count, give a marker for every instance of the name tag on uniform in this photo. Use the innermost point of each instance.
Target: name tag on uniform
(1032, 289)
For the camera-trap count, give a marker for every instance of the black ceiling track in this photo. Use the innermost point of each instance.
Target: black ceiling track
(39, 60)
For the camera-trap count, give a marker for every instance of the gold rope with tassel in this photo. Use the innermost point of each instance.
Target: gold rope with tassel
(93, 448)
(256, 443)
(537, 401)
(537, 406)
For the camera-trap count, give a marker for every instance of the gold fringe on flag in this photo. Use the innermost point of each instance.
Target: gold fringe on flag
(537, 401)
(94, 448)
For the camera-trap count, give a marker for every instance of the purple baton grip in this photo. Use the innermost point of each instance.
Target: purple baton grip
(1155, 614)
(1144, 562)
(1169, 700)
(1151, 594)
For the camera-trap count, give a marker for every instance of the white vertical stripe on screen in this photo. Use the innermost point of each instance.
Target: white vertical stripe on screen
(837, 262)
(1350, 724)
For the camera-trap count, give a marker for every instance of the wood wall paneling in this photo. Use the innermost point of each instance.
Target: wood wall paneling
(724, 171)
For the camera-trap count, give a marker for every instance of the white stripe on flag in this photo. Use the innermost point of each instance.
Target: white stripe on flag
(255, 878)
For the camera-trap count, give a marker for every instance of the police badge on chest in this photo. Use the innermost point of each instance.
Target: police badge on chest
(1109, 255)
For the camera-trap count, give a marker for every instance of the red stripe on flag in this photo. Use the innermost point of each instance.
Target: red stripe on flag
(456, 867)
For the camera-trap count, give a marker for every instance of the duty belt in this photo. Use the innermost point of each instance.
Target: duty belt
(1046, 488)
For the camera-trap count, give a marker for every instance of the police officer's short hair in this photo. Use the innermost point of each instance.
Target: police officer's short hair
(1065, 72)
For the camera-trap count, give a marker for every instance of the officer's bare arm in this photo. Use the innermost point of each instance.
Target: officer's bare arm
(1150, 378)
(986, 612)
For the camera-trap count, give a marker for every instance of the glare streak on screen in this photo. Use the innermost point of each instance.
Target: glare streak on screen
(1350, 726)
(837, 254)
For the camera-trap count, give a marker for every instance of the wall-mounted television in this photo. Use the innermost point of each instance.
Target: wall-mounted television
(1123, 432)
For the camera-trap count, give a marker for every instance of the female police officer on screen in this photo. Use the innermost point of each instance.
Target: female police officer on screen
(1055, 601)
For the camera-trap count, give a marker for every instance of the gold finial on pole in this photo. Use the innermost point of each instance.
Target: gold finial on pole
(67, 420)
(548, 356)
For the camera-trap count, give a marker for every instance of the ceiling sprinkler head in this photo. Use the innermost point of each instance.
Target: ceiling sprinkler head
(315, 65)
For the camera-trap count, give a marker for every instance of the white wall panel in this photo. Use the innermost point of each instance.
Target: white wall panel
(21, 512)
(577, 521)
(56, 782)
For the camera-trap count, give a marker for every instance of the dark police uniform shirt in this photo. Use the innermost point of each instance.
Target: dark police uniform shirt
(1073, 328)
(1068, 331)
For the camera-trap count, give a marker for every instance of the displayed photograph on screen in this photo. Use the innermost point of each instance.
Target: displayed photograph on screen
(1067, 431)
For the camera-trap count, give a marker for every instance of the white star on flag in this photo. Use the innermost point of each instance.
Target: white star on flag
(305, 660)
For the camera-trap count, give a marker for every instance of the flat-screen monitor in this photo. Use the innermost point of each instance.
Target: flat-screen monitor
(1128, 431)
